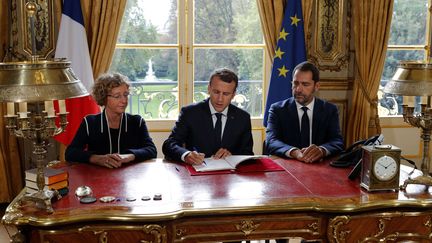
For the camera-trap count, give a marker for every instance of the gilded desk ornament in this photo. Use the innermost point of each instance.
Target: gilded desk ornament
(381, 227)
(247, 226)
(157, 232)
(314, 226)
(335, 225)
(428, 223)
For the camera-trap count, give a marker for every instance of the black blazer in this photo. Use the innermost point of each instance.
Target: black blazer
(283, 128)
(194, 131)
(92, 138)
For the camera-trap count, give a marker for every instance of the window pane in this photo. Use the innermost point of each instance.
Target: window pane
(395, 56)
(247, 63)
(227, 22)
(154, 81)
(390, 104)
(149, 22)
(408, 25)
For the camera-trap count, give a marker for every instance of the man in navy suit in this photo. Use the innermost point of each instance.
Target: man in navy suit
(283, 134)
(195, 134)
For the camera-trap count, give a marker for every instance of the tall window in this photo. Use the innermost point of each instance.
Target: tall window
(409, 41)
(168, 49)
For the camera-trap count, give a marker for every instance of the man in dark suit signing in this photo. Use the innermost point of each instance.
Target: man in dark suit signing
(213, 127)
(304, 127)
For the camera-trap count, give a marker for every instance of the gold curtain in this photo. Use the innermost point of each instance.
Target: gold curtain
(271, 15)
(102, 20)
(372, 19)
(10, 163)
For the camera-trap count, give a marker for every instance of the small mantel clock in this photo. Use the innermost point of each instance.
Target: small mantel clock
(380, 167)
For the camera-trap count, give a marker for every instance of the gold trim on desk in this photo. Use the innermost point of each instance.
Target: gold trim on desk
(177, 210)
(312, 215)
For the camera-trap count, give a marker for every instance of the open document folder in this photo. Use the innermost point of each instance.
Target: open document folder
(228, 163)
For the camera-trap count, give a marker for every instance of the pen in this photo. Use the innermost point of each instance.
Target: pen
(196, 150)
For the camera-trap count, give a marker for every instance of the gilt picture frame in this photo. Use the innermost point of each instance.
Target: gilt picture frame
(329, 45)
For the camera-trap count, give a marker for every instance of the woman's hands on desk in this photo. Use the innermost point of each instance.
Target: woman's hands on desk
(309, 154)
(111, 160)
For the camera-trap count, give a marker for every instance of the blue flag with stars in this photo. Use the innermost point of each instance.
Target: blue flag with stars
(290, 51)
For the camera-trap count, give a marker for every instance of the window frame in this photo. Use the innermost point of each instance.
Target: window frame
(186, 47)
(426, 48)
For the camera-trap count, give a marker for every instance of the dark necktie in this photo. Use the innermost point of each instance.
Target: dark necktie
(218, 129)
(304, 133)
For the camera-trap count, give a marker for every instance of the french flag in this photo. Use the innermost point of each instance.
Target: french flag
(72, 44)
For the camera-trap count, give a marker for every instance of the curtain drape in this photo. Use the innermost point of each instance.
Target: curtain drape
(102, 21)
(271, 15)
(10, 163)
(371, 19)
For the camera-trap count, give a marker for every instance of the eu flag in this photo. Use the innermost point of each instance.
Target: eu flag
(290, 51)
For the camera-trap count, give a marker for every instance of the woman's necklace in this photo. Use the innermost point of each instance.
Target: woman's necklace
(109, 133)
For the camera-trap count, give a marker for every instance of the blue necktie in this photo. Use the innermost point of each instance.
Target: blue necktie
(304, 133)
(218, 130)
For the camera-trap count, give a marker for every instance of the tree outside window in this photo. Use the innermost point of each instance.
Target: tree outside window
(169, 61)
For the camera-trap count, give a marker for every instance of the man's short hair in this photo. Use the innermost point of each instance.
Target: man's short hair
(308, 66)
(225, 75)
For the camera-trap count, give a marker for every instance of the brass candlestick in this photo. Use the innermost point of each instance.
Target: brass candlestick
(37, 128)
(423, 121)
(414, 78)
(37, 81)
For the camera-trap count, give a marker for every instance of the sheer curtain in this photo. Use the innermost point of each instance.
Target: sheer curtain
(370, 52)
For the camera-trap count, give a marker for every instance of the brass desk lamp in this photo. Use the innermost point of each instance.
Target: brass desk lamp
(414, 78)
(39, 82)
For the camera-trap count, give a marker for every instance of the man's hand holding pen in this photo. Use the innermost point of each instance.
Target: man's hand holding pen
(195, 158)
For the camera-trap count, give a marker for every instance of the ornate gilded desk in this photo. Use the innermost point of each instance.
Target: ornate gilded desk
(313, 201)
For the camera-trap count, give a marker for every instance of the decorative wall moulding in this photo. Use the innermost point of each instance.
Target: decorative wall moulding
(21, 27)
(329, 45)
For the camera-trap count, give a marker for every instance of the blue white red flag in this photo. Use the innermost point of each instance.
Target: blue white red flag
(290, 51)
(72, 44)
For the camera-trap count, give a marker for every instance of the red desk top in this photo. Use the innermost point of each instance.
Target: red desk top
(301, 187)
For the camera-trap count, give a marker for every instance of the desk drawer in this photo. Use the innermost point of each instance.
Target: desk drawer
(104, 233)
(382, 227)
(248, 227)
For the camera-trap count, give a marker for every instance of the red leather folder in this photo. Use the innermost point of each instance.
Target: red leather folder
(256, 165)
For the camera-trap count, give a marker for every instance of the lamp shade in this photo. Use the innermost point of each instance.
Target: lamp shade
(412, 78)
(34, 81)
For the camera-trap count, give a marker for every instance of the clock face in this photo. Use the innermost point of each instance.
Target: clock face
(385, 168)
